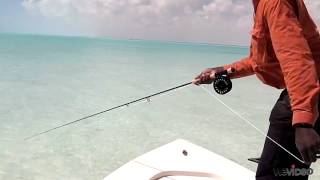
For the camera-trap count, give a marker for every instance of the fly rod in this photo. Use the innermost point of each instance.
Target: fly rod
(222, 84)
(110, 109)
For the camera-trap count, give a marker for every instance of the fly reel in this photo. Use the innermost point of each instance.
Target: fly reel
(222, 83)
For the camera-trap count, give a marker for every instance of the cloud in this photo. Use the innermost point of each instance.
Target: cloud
(222, 21)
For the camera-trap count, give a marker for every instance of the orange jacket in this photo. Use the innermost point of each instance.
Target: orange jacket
(285, 53)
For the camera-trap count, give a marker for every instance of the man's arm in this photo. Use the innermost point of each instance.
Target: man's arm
(241, 68)
(295, 58)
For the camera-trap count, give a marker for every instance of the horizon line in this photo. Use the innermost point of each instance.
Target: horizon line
(124, 39)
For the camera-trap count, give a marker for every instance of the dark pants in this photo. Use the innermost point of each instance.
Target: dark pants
(275, 160)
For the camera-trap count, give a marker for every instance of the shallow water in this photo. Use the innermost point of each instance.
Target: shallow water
(47, 81)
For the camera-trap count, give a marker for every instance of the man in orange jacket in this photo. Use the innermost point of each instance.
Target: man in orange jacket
(285, 54)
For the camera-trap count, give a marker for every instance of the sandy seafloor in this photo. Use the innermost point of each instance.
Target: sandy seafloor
(46, 81)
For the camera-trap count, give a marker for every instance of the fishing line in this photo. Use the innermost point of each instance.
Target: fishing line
(221, 85)
(128, 104)
(251, 124)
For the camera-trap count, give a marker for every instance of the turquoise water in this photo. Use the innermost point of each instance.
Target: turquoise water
(47, 81)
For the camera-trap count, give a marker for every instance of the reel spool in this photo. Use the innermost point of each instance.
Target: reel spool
(222, 83)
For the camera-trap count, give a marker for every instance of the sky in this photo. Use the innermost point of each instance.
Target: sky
(206, 21)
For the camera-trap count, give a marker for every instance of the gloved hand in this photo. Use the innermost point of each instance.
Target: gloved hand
(207, 76)
(308, 143)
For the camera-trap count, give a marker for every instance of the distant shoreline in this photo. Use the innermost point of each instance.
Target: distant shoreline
(129, 39)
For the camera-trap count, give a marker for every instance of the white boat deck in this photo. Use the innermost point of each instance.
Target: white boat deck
(181, 160)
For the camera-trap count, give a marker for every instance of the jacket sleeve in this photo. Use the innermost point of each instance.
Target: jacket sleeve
(295, 58)
(242, 68)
